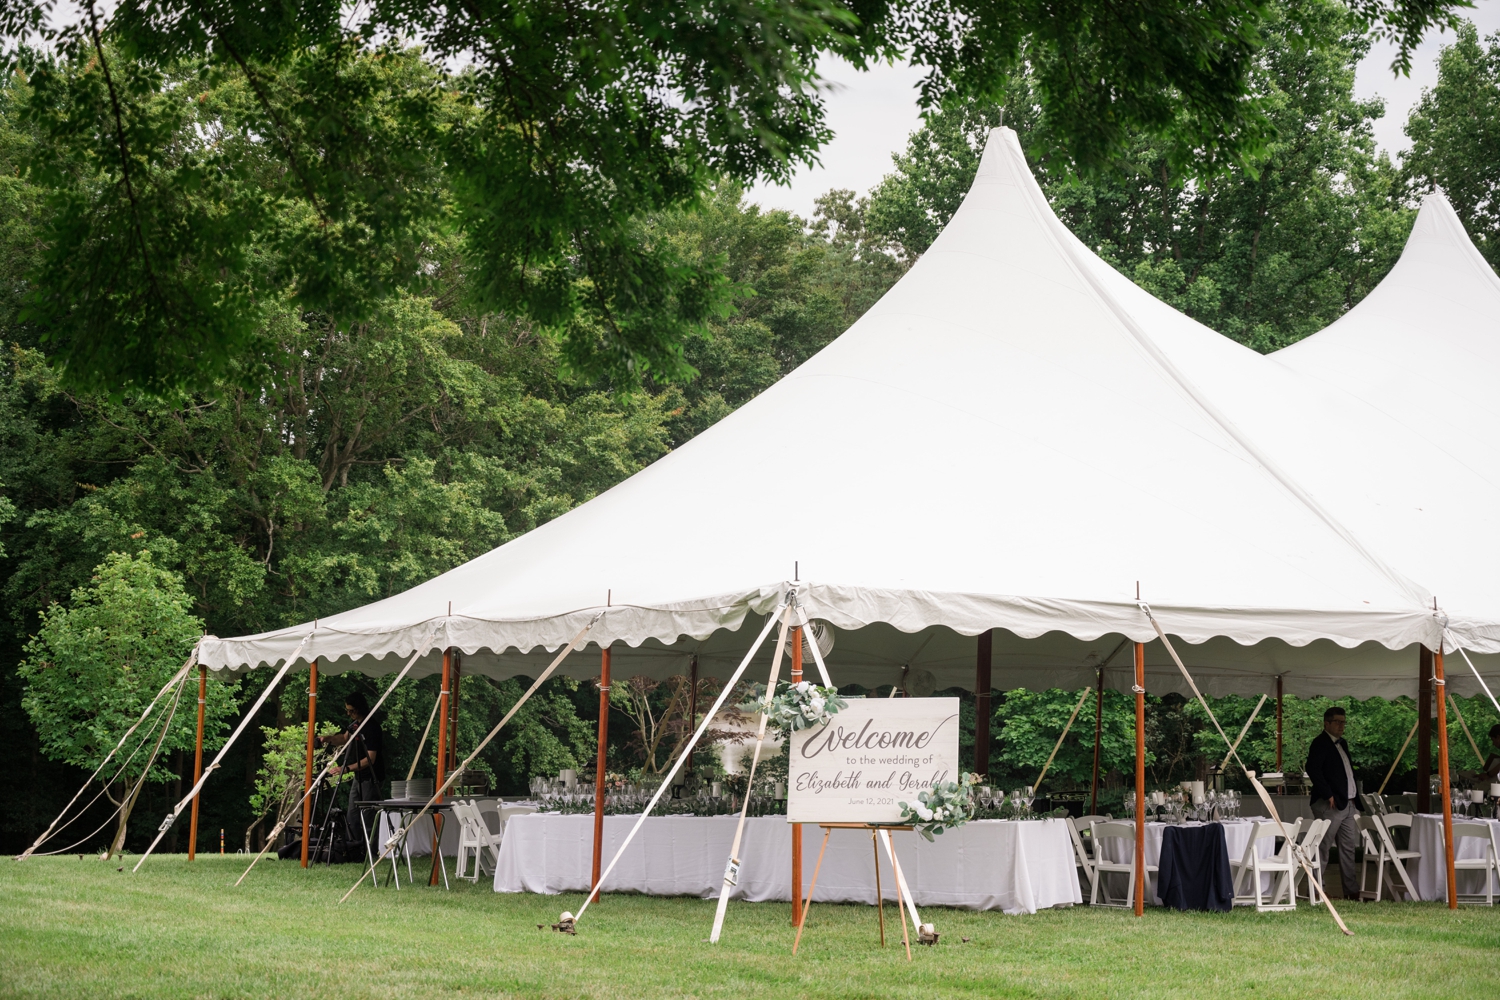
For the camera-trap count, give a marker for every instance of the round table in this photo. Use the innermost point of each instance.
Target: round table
(1430, 873)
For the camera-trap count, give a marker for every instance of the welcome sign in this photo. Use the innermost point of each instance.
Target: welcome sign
(875, 753)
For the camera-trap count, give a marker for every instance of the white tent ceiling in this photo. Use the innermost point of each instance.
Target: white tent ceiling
(1012, 438)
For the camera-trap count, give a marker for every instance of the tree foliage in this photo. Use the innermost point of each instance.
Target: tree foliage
(176, 140)
(1455, 134)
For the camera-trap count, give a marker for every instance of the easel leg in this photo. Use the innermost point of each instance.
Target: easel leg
(807, 903)
(879, 897)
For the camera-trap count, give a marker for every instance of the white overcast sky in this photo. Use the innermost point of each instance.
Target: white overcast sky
(872, 113)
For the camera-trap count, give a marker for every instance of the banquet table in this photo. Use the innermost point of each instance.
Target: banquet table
(1430, 873)
(1017, 867)
(1236, 835)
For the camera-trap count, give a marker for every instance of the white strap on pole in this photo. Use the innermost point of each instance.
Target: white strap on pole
(176, 678)
(1260, 790)
(282, 822)
(732, 866)
(1245, 729)
(1058, 746)
(686, 753)
(1453, 640)
(166, 824)
(452, 777)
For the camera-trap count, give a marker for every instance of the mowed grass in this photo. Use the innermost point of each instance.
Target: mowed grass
(71, 928)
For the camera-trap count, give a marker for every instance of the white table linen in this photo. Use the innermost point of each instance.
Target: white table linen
(1430, 873)
(983, 865)
(1237, 834)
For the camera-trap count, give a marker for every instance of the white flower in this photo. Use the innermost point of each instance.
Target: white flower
(801, 687)
(924, 812)
(818, 703)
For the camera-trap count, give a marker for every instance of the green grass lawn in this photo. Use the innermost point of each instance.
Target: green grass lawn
(71, 928)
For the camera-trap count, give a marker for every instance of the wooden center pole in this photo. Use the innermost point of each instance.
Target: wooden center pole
(600, 764)
(1424, 731)
(1442, 728)
(982, 690)
(797, 827)
(198, 761)
(307, 775)
(1140, 779)
(1278, 724)
(1098, 738)
(458, 686)
(442, 758)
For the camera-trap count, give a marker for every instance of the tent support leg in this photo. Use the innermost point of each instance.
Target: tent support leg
(307, 775)
(1442, 728)
(1098, 738)
(458, 668)
(1424, 731)
(599, 768)
(1140, 779)
(1278, 724)
(442, 758)
(796, 827)
(982, 661)
(198, 761)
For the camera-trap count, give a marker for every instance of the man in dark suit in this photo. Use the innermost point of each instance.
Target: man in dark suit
(1333, 797)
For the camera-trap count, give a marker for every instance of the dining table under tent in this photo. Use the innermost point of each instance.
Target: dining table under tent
(1007, 468)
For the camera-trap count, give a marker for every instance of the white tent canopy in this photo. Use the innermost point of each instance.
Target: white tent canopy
(1012, 438)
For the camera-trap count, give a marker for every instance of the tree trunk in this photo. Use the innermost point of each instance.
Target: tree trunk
(122, 822)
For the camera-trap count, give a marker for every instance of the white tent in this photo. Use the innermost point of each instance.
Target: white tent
(1012, 438)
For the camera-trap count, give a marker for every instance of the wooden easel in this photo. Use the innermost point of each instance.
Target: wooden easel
(874, 829)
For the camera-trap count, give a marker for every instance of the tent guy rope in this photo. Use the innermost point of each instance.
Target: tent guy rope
(1243, 730)
(448, 782)
(166, 824)
(176, 678)
(307, 792)
(1058, 746)
(1260, 790)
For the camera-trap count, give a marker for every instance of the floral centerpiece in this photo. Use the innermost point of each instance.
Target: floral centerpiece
(941, 807)
(796, 706)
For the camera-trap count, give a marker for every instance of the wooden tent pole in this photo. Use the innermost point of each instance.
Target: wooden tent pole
(982, 693)
(1098, 739)
(797, 907)
(1424, 730)
(1278, 725)
(1140, 779)
(307, 775)
(198, 761)
(458, 668)
(600, 764)
(1442, 728)
(442, 759)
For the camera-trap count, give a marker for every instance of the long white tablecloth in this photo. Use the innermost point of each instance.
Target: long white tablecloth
(1430, 873)
(1236, 836)
(983, 865)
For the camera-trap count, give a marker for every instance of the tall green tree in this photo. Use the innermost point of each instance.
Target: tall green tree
(1455, 135)
(97, 662)
(566, 129)
(1265, 254)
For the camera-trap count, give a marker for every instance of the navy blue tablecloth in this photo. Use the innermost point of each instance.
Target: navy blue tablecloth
(1193, 872)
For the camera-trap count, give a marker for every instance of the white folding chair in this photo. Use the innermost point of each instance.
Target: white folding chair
(1279, 866)
(1084, 824)
(473, 836)
(1489, 863)
(1381, 850)
(1084, 863)
(1121, 831)
(1309, 847)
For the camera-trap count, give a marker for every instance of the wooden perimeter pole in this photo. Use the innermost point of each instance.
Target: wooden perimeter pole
(797, 827)
(458, 686)
(198, 761)
(1424, 731)
(442, 759)
(1442, 728)
(599, 770)
(982, 664)
(1098, 738)
(1278, 728)
(307, 775)
(1140, 779)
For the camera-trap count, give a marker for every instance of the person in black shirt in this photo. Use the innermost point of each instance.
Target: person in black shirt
(1333, 798)
(363, 756)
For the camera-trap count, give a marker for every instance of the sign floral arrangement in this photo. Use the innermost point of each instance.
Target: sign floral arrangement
(941, 807)
(796, 706)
